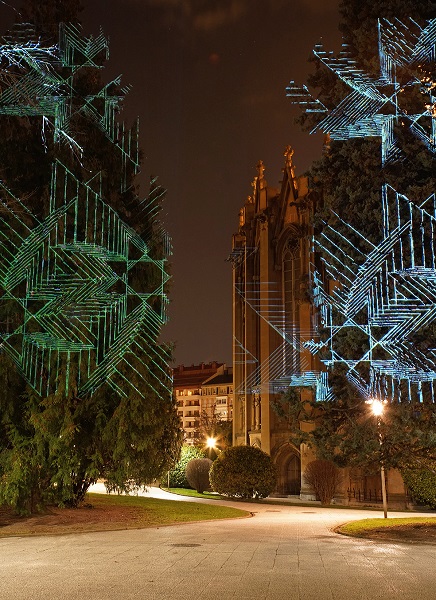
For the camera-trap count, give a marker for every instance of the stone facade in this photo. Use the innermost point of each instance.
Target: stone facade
(271, 253)
(272, 309)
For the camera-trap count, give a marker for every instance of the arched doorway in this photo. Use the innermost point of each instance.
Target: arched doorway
(293, 475)
(288, 463)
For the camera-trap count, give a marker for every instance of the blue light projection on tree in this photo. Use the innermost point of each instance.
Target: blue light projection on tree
(374, 106)
(87, 291)
(388, 296)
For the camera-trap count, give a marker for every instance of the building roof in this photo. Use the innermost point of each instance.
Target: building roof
(223, 376)
(194, 375)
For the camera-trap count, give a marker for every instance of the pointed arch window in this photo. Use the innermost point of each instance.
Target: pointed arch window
(291, 270)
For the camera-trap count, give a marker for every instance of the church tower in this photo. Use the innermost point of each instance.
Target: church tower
(273, 316)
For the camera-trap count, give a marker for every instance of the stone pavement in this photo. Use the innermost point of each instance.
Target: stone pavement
(282, 553)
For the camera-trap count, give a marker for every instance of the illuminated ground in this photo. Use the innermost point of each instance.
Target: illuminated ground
(283, 553)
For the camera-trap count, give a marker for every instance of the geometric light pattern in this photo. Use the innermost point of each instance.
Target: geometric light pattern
(75, 279)
(387, 296)
(374, 106)
(34, 86)
(286, 365)
(390, 299)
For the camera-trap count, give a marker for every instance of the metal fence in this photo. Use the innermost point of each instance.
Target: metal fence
(365, 495)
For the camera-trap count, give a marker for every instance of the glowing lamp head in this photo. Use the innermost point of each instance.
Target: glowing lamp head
(211, 442)
(377, 407)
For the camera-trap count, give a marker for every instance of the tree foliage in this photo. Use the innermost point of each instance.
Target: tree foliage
(359, 22)
(197, 474)
(243, 472)
(346, 432)
(349, 178)
(177, 475)
(48, 14)
(421, 484)
(350, 173)
(53, 448)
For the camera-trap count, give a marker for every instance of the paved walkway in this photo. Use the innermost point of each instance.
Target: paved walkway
(282, 553)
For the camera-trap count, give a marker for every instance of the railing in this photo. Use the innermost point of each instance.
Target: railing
(365, 495)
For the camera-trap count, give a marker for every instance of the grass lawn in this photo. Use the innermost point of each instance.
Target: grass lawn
(418, 529)
(111, 512)
(194, 493)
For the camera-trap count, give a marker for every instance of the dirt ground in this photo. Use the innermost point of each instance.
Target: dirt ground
(68, 520)
(422, 534)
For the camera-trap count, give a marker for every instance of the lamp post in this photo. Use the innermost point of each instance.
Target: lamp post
(377, 408)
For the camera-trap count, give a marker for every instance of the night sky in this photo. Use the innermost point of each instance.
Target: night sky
(209, 80)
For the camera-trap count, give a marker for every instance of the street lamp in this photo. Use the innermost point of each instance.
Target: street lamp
(377, 408)
(211, 443)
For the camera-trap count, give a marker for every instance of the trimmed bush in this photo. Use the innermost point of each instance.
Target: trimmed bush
(197, 474)
(178, 473)
(243, 472)
(421, 485)
(324, 478)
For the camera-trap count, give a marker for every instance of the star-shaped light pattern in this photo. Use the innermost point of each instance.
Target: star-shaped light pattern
(383, 302)
(33, 85)
(70, 278)
(375, 106)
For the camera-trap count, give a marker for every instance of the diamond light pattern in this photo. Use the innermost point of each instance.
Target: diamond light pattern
(388, 297)
(86, 290)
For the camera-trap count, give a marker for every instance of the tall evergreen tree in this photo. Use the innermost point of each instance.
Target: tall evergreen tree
(349, 178)
(350, 173)
(56, 435)
(47, 15)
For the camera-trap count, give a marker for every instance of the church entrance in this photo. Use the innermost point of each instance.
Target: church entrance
(289, 471)
(293, 479)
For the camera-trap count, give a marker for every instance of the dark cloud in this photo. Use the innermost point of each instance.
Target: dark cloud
(211, 15)
(317, 7)
(220, 16)
(199, 15)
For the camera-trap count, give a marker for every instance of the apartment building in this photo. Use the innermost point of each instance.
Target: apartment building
(205, 389)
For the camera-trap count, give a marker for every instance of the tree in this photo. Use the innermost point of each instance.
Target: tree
(243, 472)
(197, 474)
(345, 431)
(64, 422)
(216, 428)
(47, 15)
(177, 475)
(324, 478)
(421, 484)
(350, 172)
(359, 21)
(349, 179)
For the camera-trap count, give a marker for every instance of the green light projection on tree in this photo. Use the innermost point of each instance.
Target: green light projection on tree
(86, 290)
